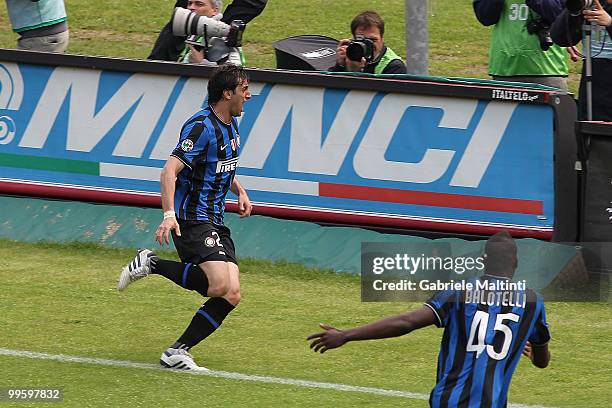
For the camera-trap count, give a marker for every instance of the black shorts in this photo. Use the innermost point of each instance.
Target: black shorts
(202, 241)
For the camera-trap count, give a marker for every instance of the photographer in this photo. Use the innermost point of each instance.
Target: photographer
(521, 47)
(567, 31)
(169, 47)
(194, 52)
(367, 51)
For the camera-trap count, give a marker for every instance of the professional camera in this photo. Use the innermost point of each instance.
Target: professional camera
(542, 30)
(359, 48)
(185, 22)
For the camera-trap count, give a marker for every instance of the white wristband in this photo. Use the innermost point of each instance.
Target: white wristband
(169, 214)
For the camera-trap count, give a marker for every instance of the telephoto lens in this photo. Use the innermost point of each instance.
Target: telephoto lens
(185, 22)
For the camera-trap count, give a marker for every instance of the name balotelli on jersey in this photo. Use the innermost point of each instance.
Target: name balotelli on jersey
(491, 298)
(497, 292)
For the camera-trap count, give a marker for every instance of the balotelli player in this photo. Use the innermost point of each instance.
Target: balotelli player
(482, 343)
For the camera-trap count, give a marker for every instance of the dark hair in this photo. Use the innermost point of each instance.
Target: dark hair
(368, 19)
(501, 251)
(225, 78)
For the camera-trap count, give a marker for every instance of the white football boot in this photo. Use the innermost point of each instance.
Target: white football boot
(137, 269)
(179, 359)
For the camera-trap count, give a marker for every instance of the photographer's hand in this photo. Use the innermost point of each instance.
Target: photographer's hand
(355, 66)
(341, 52)
(195, 56)
(573, 53)
(598, 15)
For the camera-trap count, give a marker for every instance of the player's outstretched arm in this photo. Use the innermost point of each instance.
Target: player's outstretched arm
(538, 354)
(390, 327)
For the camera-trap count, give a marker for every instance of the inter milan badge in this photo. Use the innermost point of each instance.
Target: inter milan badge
(235, 143)
(187, 145)
(209, 242)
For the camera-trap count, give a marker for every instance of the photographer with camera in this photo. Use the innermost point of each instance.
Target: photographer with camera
(521, 47)
(567, 30)
(366, 52)
(169, 46)
(195, 51)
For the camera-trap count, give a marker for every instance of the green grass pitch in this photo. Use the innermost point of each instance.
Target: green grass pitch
(61, 299)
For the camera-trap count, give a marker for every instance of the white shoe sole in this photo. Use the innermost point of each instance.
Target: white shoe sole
(124, 277)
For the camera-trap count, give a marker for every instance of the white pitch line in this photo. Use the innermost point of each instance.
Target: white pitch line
(230, 375)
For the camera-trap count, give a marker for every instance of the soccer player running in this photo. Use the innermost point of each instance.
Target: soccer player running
(194, 183)
(482, 341)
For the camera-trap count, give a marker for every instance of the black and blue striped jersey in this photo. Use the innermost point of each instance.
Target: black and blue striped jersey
(209, 148)
(485, 331)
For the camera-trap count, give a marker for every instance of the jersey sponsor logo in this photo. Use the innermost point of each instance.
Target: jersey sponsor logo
(223, 147)
(187, 145)
(227, 165)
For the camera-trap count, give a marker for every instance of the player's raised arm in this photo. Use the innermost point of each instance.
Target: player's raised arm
(390, 327)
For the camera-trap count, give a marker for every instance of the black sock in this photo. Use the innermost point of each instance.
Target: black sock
(188, 276)
(206, 320)
(178, 345)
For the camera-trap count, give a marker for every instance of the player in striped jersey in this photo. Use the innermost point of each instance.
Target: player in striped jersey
(194, 183)
(485, 333)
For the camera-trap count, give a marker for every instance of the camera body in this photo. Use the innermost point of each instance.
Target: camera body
(234, 37)
(359, 48)
(542, 30)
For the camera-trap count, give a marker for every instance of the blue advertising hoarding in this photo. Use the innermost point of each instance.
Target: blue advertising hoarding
(325, 153)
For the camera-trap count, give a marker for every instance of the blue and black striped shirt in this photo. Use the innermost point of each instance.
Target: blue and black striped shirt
(209, 148)
(485, 332)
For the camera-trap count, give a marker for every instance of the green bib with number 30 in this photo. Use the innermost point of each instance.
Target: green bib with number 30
(515, 52)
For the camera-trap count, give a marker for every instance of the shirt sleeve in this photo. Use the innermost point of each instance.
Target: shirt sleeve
(442, 303)
(547, 9)
(540, 333)
(192, 143)
(244, 10)
(567, 29)
(488, 12)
